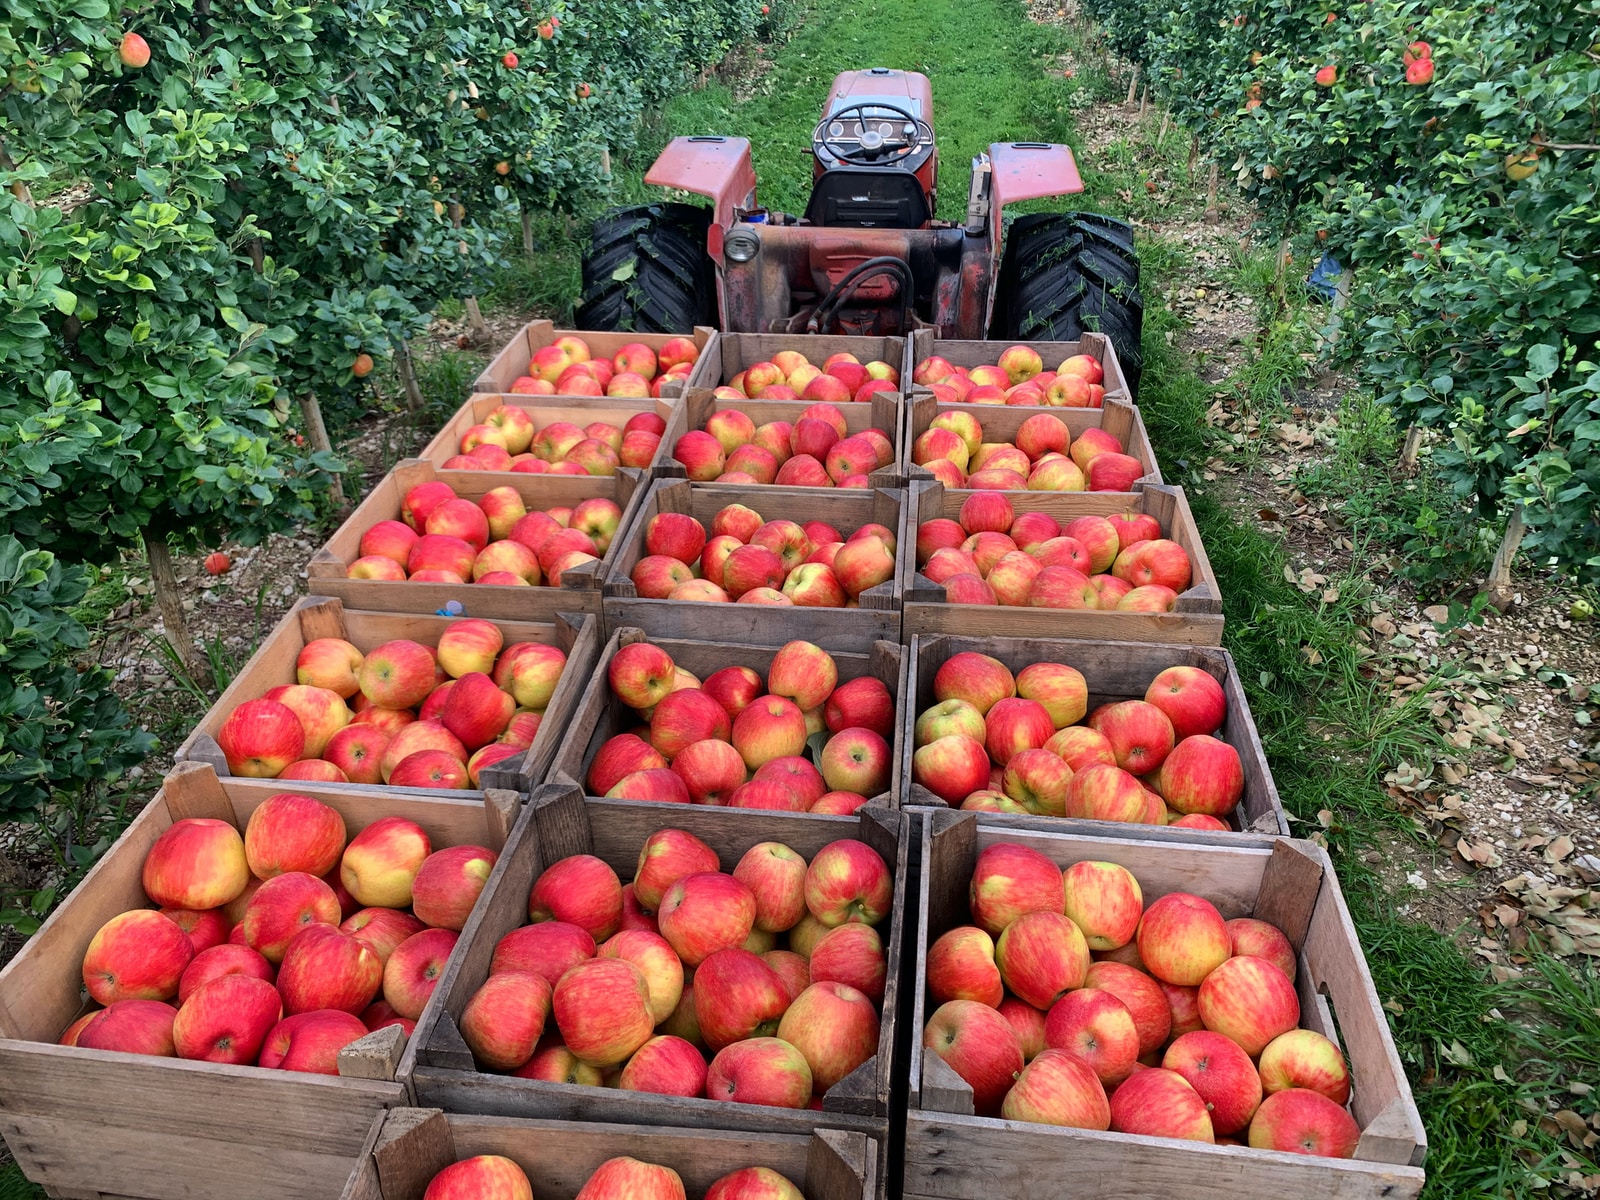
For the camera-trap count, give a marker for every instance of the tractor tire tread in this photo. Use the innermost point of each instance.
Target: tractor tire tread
(647, 271)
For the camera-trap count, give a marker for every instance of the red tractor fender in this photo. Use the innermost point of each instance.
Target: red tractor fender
(1021, 171)
(715, 167)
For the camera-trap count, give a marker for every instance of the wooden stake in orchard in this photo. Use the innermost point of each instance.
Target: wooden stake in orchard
(170, 605)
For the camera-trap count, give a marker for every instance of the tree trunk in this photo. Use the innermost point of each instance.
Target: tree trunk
(1499, 582)
(311, 410)
(408, 378)
(1133, 88)
(1408, 452)
(1212, 215)
(527, 233)
(475, 321)
(170, 604)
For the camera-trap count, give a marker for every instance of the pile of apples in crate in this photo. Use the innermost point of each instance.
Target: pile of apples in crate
(749, 560)
(443, 538)
(998, 742)
(792, 376)
(1069, 1002)
(1043, 458)
(281, 947)
(739, 741)
(992, 555)
(1017, 377)
(404, 714)
(677, 985)
(816, 450)
(567, 367)
(494, 1177)
(509, 439)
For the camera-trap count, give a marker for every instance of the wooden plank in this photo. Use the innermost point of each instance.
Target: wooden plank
(543, 410)
(963, 353)
(414, 1146)
(376, 1056)
(1113, 671)
(512, 361)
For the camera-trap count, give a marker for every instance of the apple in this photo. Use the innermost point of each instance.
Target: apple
(331, 663)
(580, 890)
(324, 968)
(218, 961)
(667, 856)
(382, 860)
(548, 949)
(657, 962)
(1301, 1121)
(1157, 562)
(1011, 579)
(310, 1042)
(534, 671)
(137, 955)
(946, 718)
(448, 885)
(482, 1177)
(1185, 1005)
(763, 1070)
(419, 736)
(770, 727)
(1058, 1088)
(1192, 699)
(1105, 901)
(835, 1028)
(1081, 747)
(1182, 938)
(641, 674)
(706, 912)
(1009, 880)
(413, 970)
(1141, 995)
(710, 771)
(665, 1066)
(737, 996)
(952, 767)
(282, 907)
(132, 1027)
(980, 1046)
(505, 1019)
(1249, 1000)
(969, 589)
(196, 863)
(381, 929)
(1201, 775)
(1302, 1058)
(851, 954)
(1028, 1022)
(1102, 793)
(1041, 956)
(397, 674)
(1160, 1103)
(618, 758)
(261, 737)
(226, 1020)
(848, 881)
(684, 717)
(1260, 939)
(775, 876)
(856, 760)
(1221, 1073)
(979, 679)
(754, 1183)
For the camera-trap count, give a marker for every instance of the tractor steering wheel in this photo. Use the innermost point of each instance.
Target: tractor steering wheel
(872, 149)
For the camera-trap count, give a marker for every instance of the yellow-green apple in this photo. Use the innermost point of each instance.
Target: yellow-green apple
(706, 912)
(1302, 1058)
(764, 1070)
(1037, 780)
(530, 672)
(422, 499)
(310, 1042)
(710, 771)
(775, 876)
(961, 966)
(1221, 1073)
(979, 1045)
(332, 663)
(1160, 1103)
(949, 717)
(1062, 690)
(684, 717)
(137, 955)
(218, 961)
(856, 760)
(1102, 793)
(449, 883)
(581, 890)
(482, 1177)
(131, 1026)
(1090, 445)
(375, 566)
(602, 1008)
(848, 881)
(1028, 1022)
(416, 737)
(1081, 747)
(978, 679)
(282, 907)
(702, 456)
(1182, 938)
(381, 861)
(617, 758)
(806, 934)
(293, 833)
(1185, 1005)
(1201, 775)
(1063, 587)
(1249, 1000)
(964, 425)
(1192, 699)
(665, 1066)
(1041, 956)
(737, 996)
(1009, 880)
(502, 508)
(1140, 995)
(1056, 473)
(1105, 901)
(324, 968)
(469, 645)
(666, 857)
(1140, 734)
(851, 954)
(197, 863)
(768, 728)
(413, 970)
(641, 674)
(547, 949)
(226, 1020)
(835, 1027)
(234, 909)
(505, 1019)
(1301, 1121)
(731, 427)
(381, 929)
(260, 738)
(397, 674)
(657, 962)
(1020, 363)
(1058, 1087)
(682, 1021)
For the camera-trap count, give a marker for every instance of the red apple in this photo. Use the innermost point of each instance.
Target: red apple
(641, 674)
(764, 1070)
(1058, 1088)
(218, 961)
(979, 1045)
(1246, 935)
(835, 1027)
(710, 771)
(737, 996)
(132, 1027)
(1160, 1103)
(260, 738)
(226, 1020)
(952, 767)
(326, 969)
(706, 912)
(770, 727)
(1300, 1121)
(581, 890)
(282, 907)
(976, 678)
(381, 861)
(665, 1066)
(1041, 956)
(1010, 880)
(1201, 775)
(310, 1042)
(482, 1177)
(138, 955)
(848, 881)
(1249, 1000)
(1102, 793)
(1105, 901)
(1192, 699)
(413, 970)
(1304, 1059)
(505, 1019)
(293, 833)
(196, 863)
(1182, 938)
(1029, 1024)
(961, 966)
(1140, 995)
(775, 875)
(449, 883)
(1221, 1073)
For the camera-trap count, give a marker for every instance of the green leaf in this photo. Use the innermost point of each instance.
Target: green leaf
(66, 302)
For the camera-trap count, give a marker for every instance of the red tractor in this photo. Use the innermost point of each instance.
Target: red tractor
(867, 257)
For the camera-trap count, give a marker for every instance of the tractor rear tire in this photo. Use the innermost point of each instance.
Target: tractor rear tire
(647, 271)
(1064, 274)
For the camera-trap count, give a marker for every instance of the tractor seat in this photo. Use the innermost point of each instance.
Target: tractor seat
(863, 198)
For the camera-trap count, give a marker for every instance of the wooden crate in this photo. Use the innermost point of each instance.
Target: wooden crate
(1114, 671)
(736, 351)
(951, 1153)
(560, 822)
(512, 361)
(328, 572)
(924, 345)
(545, 410)
(1196, 620)
(1001, 421)
(846, 509)
(315, 617)
(599, 715)
(881, 412)
(100, 1124)
(411, 1145)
